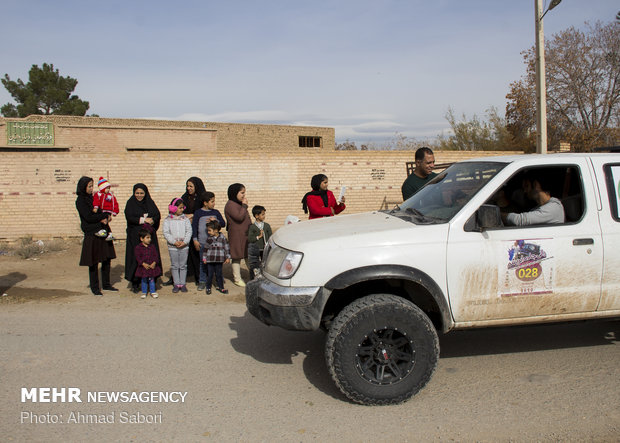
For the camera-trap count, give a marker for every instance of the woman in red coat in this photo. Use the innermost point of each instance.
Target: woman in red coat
(320, 202)
(237, 224)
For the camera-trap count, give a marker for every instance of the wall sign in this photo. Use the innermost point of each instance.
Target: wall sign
(29, 134)
(377, 174)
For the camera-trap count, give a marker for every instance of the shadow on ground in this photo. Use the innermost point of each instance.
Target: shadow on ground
(529, 338)
(9, 280)
(117, 272)
(21, 295)
(272, 345)
(11, 293)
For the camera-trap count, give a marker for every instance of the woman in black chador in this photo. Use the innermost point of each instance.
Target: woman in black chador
(95, 249)
(194, 188)
(140, 210)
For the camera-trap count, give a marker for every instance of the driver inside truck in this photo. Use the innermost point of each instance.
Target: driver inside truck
(548, 210)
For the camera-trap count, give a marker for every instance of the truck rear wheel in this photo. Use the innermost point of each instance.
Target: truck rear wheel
(381, 349)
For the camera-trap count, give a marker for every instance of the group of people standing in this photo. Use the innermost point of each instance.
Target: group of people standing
(192, 230)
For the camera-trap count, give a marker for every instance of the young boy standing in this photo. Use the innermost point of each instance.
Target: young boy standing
(199, 229)
(216, 253)
(258, 235)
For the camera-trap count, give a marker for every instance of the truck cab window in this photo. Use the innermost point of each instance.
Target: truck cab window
(540, 196)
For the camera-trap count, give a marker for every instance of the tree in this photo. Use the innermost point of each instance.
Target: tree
(477, 134)
(401, 142)
(347, 145)
(521, 115)
(583, 90)
(47, 92)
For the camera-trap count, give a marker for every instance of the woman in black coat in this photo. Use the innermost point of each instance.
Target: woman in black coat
(95, 249)
(140, 209)
(194, 188)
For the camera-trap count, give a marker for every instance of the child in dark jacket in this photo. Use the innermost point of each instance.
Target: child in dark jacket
(199, 229)
(148, 267)
(259, 233)
(216, 253)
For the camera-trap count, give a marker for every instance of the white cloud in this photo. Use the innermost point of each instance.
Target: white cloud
(377, 127)
(362, 128)
(237, 116)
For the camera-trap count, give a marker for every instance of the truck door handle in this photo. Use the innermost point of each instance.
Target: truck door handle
(583, 241)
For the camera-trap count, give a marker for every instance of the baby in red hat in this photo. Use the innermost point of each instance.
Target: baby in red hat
(105, 201)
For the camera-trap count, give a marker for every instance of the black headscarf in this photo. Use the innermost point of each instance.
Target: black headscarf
(315, 183)
(82, 184)
(233, 190)
(193, 202)
(146, 206)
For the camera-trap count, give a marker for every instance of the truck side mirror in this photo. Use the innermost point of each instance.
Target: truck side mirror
(487, 216)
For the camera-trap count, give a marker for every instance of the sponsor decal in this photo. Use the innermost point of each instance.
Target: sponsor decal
(529, 268)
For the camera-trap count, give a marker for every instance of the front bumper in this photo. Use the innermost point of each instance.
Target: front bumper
(295, 308)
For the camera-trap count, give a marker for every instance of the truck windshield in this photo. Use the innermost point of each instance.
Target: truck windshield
(445, 195)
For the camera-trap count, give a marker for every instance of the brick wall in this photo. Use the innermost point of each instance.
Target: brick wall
(37, 188)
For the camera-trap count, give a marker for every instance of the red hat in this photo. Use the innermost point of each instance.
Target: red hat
(103, 183)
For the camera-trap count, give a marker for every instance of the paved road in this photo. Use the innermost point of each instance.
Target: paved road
(247, 382)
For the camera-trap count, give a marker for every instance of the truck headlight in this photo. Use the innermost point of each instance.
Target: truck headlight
(281, 262)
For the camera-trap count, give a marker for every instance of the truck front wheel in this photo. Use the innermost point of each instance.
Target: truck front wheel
(381, 349)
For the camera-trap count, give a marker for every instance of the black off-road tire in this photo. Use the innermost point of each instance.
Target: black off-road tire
(381, 350)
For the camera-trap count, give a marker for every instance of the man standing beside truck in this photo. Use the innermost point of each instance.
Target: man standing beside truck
(422, 173)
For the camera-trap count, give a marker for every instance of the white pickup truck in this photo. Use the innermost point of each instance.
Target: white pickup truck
(384, 283)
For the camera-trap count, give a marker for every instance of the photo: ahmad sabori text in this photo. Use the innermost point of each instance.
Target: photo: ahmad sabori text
(79, 417)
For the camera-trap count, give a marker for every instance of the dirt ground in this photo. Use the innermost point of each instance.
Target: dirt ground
(56, 275)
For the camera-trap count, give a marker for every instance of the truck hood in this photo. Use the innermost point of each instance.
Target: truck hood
(346, 231)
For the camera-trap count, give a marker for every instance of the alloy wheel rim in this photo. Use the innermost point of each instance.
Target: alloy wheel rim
(385, 356)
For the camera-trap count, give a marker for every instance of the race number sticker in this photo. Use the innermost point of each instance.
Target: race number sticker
(529, 268)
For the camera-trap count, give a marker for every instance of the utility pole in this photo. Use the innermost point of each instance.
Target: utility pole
(541, 85)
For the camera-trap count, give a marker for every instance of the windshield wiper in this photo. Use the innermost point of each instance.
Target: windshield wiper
(421, 218)
(415, 212)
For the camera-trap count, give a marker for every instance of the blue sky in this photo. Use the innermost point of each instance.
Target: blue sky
(370, 69)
